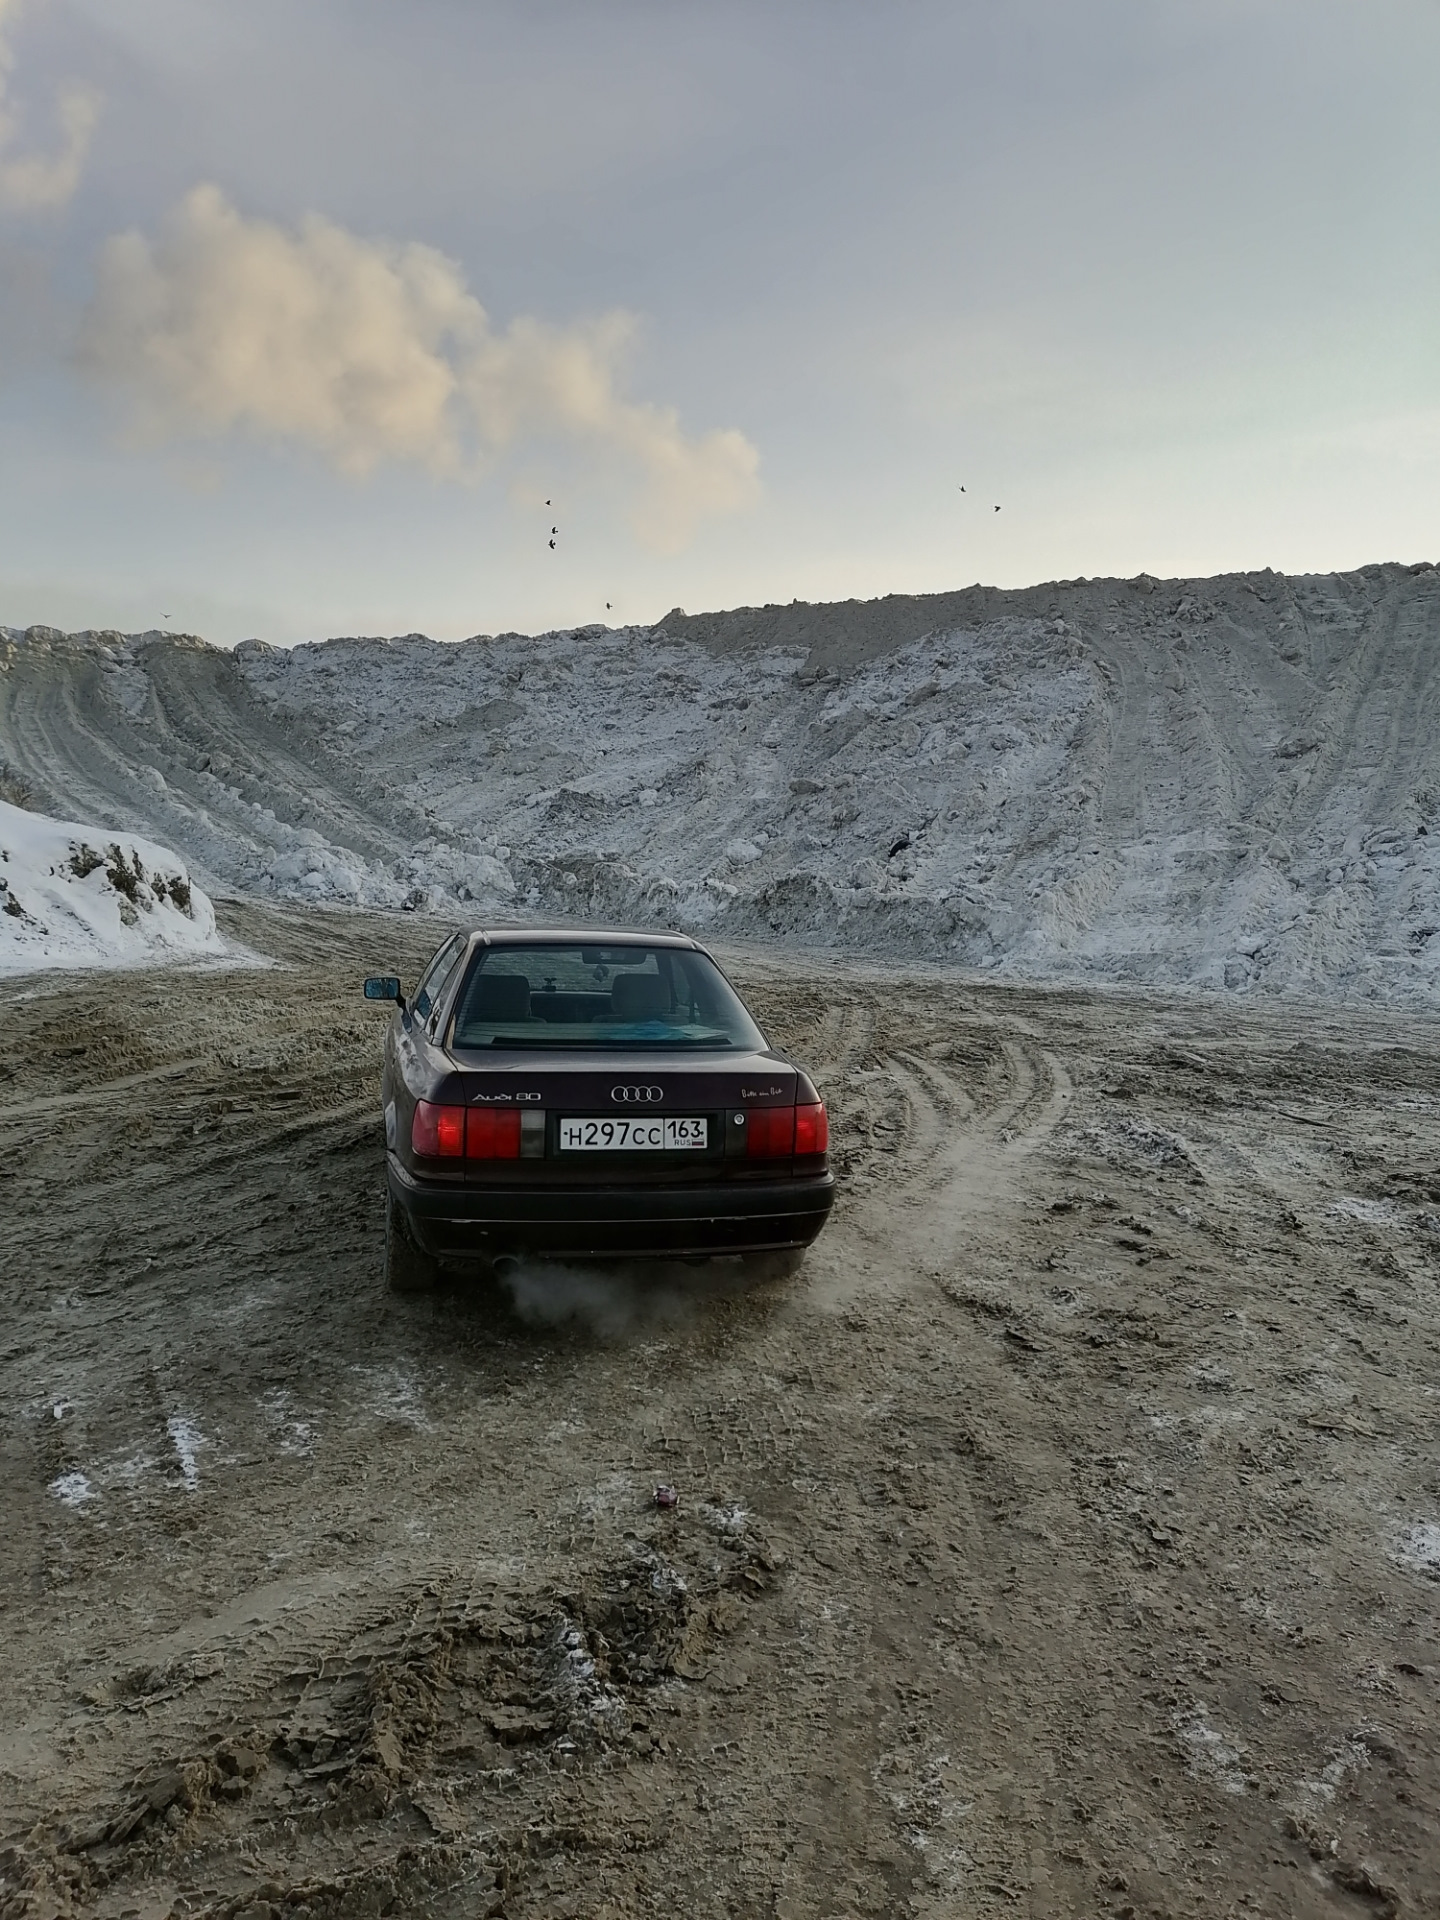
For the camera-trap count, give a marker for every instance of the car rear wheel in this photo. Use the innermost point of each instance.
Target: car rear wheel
(408, 1268)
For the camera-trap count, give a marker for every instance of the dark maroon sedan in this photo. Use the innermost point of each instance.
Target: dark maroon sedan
(588, 1094)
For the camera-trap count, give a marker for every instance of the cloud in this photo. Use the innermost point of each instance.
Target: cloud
(369, 352)
(32, 182)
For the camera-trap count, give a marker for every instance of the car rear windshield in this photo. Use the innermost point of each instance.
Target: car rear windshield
(568, 995)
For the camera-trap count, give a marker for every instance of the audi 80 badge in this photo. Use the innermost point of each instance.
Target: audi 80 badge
(591, 1094)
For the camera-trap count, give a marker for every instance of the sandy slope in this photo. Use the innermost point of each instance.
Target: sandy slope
(1227, 782)
(1064, 1541)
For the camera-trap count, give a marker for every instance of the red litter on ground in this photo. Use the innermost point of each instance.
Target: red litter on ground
(666, 1497)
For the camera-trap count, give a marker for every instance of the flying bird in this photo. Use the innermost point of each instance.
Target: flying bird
(552, 545)
(962, 489)
(997, 509)
(607, 606)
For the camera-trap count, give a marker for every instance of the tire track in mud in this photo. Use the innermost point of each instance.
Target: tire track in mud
(1343, 712)
(99, 1093)
(998, 1137)
(962, 1151)
(1368, 723)
(66, 727)
(843, 1036)
(205, 702)
(1122, 778)
(51, 737)
(828, 1037)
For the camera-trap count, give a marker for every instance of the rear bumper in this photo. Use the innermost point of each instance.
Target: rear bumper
(481, 1222)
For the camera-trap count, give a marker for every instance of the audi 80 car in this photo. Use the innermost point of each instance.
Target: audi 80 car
(595, 1093)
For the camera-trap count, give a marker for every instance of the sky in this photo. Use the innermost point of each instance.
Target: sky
(332, 319)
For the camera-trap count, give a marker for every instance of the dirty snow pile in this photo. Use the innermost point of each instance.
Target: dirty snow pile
(1229, 783)
(77, 896)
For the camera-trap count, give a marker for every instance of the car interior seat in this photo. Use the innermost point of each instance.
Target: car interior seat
(639, 996)
(498, 996)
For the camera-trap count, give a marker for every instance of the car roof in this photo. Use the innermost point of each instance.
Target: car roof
(580, 936)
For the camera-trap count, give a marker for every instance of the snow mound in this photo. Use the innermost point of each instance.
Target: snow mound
(77, 896)
(1228, 784)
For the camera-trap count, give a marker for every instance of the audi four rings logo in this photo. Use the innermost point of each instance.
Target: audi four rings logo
(637, 1096)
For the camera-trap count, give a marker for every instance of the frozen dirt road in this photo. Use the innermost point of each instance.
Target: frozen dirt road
(1064, 1541)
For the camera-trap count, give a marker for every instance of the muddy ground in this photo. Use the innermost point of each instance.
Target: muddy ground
(1065, 1540)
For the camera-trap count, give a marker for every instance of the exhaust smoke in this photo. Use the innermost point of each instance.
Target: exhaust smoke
(619, 1301)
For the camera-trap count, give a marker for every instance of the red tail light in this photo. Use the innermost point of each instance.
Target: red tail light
(438, 1133)
(492, 1133)
(770, 1132)
(812, 1129)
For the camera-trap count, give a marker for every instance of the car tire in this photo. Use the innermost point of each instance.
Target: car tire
(408, 1268)
(783, 1263)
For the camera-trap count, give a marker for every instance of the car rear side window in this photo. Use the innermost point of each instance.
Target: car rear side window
(437, 975)
(559, 994)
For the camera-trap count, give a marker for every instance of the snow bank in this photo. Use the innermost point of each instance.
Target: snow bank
(77, 896)
(1229, 783)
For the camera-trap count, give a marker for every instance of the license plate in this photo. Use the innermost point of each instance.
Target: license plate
(630, 1136)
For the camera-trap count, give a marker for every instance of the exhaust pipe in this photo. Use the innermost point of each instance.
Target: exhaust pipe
(505, 1266)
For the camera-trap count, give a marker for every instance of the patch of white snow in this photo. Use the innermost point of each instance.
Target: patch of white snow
(83, 896)
(187, 1440)
(73, 1489)
(1374, 1213)
(1419, 1548)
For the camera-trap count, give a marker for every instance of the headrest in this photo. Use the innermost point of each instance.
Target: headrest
(500, 996)
(639, 996)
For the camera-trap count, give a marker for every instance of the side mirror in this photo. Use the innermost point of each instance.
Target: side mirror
(385, 986)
